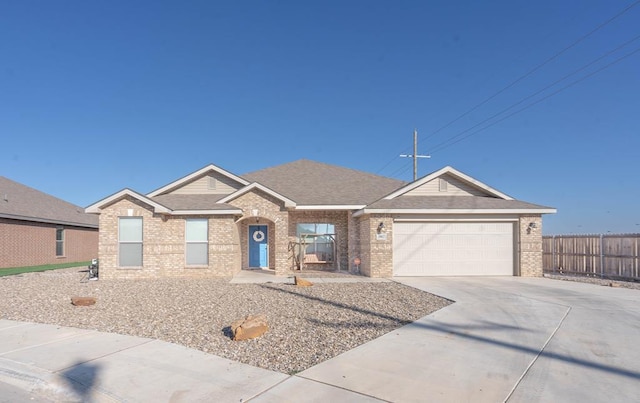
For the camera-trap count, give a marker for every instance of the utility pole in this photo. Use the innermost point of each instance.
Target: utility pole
(415, 155)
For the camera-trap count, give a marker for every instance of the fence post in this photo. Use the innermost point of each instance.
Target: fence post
(601, 256)
(553, 253)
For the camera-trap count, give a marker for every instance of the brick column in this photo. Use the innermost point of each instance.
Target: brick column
(530, 246)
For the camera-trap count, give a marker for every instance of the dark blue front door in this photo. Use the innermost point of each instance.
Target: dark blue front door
(258, 246)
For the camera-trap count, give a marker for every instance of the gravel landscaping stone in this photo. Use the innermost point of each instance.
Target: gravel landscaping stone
(595, 280)
(307, 325)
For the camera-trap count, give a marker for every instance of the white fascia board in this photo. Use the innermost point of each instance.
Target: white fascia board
(255, 185)
(195, 174)
(454, 172)
(97, 207)
(207, 212)
(455, 211)
(331, 207)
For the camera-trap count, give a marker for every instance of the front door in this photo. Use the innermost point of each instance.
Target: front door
(258, 249)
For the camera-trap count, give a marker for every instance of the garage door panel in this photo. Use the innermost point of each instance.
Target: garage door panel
(453, 249)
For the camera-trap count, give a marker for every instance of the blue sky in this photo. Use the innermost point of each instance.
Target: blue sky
(97, 96)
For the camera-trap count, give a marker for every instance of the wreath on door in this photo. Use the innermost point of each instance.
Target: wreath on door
(258, 236)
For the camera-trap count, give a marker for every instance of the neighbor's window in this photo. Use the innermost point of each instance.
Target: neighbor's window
(196, 237)
(59, 241)
(319, 241)
(130, 242)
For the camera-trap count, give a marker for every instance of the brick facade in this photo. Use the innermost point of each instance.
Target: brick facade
(530, 246)
(164, 244)
(270, 211)
(27, 243)
(339, 220)
(380, 245)
(164, 240)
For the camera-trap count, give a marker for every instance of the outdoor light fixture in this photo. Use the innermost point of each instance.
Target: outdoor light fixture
(531, 226)
(380, 227)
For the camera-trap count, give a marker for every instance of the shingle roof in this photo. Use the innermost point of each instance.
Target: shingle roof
(454, 202)
(193, 202)
(313, 183)
(21, 202)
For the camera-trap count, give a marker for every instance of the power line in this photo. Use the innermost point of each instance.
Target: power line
(445, 142)
(442, 147)
(536, 68)
(395, 157)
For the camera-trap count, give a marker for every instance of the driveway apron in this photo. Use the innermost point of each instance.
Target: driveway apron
(505, 339)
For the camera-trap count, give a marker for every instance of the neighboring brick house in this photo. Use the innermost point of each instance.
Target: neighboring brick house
(307, 214)
(37, 228)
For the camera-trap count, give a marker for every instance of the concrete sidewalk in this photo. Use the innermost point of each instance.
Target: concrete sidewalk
(53, 363)
(505, 339)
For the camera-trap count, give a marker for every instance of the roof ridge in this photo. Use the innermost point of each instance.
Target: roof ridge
(302, 160)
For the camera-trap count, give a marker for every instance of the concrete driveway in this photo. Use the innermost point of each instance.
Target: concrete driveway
(505, 339)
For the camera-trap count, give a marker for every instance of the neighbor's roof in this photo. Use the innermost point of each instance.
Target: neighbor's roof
(313, 183)
(20, 202)
(438, 204)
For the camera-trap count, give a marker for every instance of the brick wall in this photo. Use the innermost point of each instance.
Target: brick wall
(164, 244)
(530, 246)
(339, 220)
(381, 256)
(354, 245)
(364, 228)
(24, 243)
(269, 211)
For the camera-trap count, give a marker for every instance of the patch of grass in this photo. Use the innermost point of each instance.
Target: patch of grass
(10, 271)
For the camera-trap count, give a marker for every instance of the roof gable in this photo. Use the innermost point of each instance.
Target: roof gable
(199, 182)
(99, 205)
(169, 204)
(21, 202)
(447, 182)
(287, 202)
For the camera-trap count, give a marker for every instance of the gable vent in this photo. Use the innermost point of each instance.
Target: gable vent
(443, 185)
(212, 183)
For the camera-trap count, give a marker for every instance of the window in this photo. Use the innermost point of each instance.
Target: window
(130, 241)
(319, 241)
(196, 238)
(59, 241)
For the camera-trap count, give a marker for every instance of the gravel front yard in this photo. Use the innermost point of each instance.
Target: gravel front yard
(308, 325)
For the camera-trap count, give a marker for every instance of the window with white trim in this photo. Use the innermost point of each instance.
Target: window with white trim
(59, 241)
(130, 242)
(197, 241)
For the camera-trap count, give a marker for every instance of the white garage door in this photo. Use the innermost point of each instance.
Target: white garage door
(453, 249)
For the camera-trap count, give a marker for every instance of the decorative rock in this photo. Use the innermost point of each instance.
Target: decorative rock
(83, 301)
(300, 282)
(250, 327)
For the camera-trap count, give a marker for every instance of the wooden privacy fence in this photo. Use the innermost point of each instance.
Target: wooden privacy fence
(606, 256)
